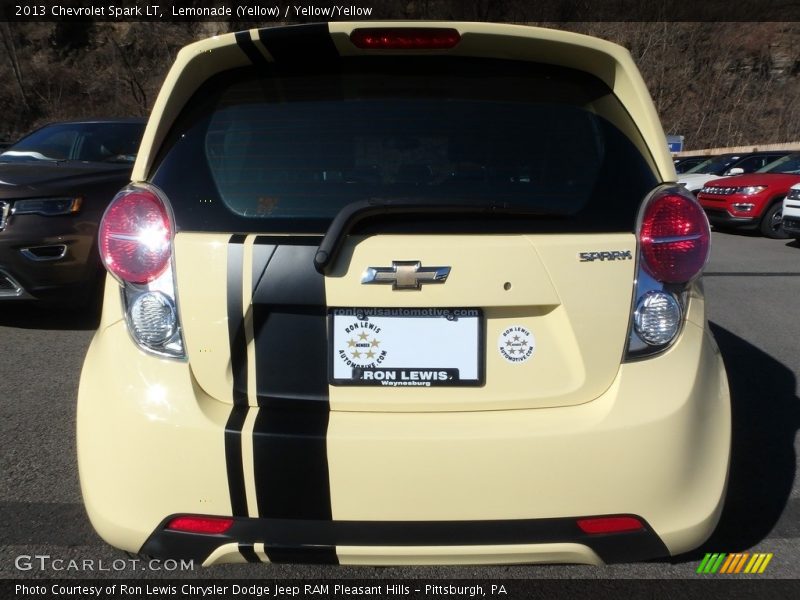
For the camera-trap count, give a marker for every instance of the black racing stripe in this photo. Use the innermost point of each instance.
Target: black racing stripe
(291, 462)
(299, 44)
(291, 351)
(249, 553)
(284, 240)
(291, 345)
(262, 254)
(233, 460)
(236, 331)
(320, 555)
(245, 42)
(238, 349)
(290, 327)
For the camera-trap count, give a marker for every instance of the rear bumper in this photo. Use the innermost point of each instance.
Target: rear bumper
(512, 541)
(723, 218)
(791, 224)
(483, 487)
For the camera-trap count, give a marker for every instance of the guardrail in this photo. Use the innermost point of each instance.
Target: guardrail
(791, 146)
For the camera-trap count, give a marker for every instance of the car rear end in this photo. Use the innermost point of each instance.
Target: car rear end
(399, 293)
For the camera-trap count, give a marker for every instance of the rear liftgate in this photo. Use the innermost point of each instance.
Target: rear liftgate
(282, 357)
(294, 312)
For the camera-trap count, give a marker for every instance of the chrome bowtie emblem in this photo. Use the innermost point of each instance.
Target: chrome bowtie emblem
(405, 275)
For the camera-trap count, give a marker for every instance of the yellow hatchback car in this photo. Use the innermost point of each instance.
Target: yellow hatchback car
(404, 293)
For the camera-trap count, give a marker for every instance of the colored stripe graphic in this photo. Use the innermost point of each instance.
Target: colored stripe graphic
(718, 563)
(728, 563)
(711, 563)
(739, 562)
(704, 563)
(767, 558)
(742, 560)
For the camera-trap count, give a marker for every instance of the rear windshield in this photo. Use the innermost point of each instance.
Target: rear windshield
(284, 151)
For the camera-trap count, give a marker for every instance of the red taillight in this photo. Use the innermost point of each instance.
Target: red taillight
(207, 525)
(135, 236)
(675, 238)
(610, 525)
(404, 38)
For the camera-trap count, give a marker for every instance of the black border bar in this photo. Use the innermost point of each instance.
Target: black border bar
(254, 12)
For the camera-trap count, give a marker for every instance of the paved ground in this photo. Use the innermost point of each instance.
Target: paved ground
(753, 290)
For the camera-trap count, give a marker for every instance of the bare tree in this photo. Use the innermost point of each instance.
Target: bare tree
(8, 44)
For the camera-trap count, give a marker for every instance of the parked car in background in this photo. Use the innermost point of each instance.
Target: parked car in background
(727, 165)
(684, 163)
(753, 201)
(399, 294)
(54, 186)
(790, 218)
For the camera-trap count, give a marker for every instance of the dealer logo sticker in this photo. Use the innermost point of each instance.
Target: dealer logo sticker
(362, 345)
(516, 344)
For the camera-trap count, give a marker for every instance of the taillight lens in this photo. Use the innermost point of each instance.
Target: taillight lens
(135, 236)
(675, 238)
(657, 317)
(405, 38)
(135, 242)
(602, 525)
(205, 525)
(674, 244)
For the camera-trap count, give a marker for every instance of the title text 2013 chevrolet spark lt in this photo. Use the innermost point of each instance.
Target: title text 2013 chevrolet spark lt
(404, 293)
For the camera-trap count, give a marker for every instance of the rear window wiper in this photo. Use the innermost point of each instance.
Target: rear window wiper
(354, 213)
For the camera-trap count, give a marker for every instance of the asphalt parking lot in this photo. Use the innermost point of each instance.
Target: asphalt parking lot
(752, 287)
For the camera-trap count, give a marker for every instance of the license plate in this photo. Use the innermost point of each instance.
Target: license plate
(406, 347)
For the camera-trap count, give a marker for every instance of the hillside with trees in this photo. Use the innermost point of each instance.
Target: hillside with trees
(718, 84)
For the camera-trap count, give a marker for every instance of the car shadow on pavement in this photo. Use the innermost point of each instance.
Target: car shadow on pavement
(750, 233)
(32, 316)
(766, 417)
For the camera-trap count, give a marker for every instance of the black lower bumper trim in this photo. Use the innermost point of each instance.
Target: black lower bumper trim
(723, 218)
(791, 225)
(312, 541)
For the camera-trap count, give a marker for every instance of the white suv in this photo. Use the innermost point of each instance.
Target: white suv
(791, 212)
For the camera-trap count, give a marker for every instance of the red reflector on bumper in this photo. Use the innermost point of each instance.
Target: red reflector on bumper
(609, 525)
(405, 38)
(208, 525)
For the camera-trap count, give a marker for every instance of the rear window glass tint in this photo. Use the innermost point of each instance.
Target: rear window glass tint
(286, 151)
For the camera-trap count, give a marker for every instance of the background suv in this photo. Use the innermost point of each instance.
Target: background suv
(726, 165)
(55, 184)
(752, 201)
